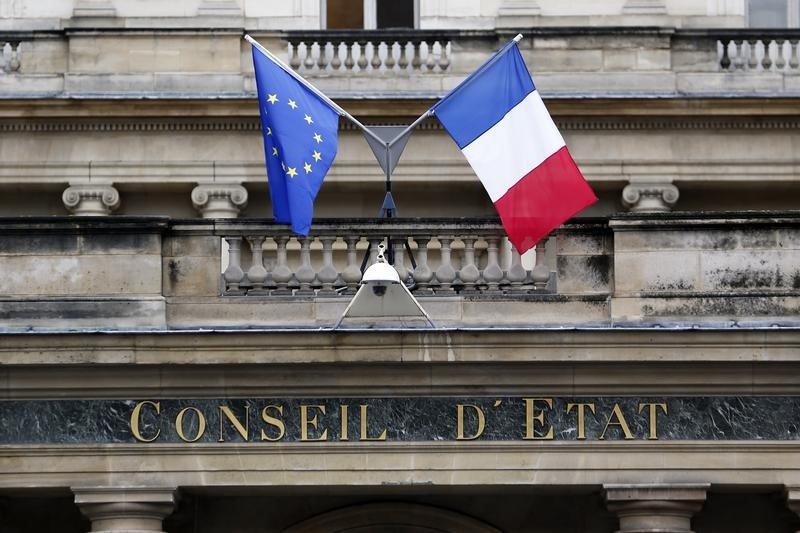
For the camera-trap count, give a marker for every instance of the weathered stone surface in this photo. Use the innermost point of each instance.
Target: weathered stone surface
(83, 313)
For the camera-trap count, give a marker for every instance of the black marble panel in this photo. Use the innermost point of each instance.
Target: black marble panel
(402, 419)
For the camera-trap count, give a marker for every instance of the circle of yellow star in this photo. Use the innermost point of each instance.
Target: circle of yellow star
(307, 167)
(317, 156)
(272, 98)
(292, 104)
(308, 119)
(269, 131)
(292, 172)
(318, 137)
(274, 151)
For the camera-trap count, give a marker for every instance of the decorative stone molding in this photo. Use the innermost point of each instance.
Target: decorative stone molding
(94, 8)
(219, 200)
(661, 508)
(513, 13)
(125, 509)
(644, 7)
(650, 197)
(226, 124)
(219, 8)
(90, 200)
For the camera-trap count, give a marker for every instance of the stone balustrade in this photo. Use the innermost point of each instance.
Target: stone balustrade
(432, 258)
(636, 269)
(596, 61)
(333, 52)
(773, 51)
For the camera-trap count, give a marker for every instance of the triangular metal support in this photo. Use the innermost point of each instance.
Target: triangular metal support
(388, 209)
(389, 148)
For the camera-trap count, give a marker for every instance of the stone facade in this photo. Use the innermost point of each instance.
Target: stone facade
(172, 360)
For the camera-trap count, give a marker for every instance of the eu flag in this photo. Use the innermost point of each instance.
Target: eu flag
(299, 130)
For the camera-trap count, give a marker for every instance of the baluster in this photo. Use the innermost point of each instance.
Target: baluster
(327, 274)
(517, 275)
(766, 62)
(257, 274)
(282, 273)
(738, 62)
(469, 273)
(444, 58)
(416, 62)
(390, 62)
(430, 60)
(336, 60)
(362, 56)
(752, 56)
(725, 60)
(780, 57)
(794, 51)
(348, 61)
(322, 60)
(423, 273)
(402, 61)
(540, 273)
(234, 274)
(445, 274)
(400, 259)
(308, 63)
(351, 275)
(492, 274)
(269, 265)
(376, 56)
(374, 242)
(295, 62)
(305, 274)
(14, 61)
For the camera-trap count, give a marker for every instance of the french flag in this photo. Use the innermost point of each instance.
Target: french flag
(501, 125)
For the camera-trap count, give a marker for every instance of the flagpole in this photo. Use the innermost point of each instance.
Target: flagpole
(289, 70)
(483, 67)
(410, 127)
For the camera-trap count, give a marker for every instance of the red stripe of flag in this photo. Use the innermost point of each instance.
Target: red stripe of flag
(543, 199)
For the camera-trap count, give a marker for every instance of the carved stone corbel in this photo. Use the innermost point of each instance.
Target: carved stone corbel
(90, 200)
(650, 197)
(219, 200)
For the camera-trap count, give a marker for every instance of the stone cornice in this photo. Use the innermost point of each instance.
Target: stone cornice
(244, 107)
(459, 345)
(438, 466)
(223, 124)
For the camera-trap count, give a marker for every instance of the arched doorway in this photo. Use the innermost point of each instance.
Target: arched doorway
(397, 517)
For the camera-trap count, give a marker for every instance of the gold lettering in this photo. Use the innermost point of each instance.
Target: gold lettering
(364, 426)
(617, 413)
(305, 422)
(460, 422)
(244, 430)
(343, 433)
(581, 417)
(273, 421)
(201, 424)
(531, 417)
(136, 415)
(653, 416)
